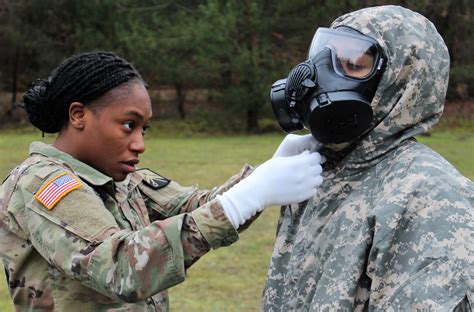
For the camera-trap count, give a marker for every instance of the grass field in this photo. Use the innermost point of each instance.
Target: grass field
(227, 279)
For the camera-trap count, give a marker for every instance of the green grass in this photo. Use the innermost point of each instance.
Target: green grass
(227, 279)
(456, 145)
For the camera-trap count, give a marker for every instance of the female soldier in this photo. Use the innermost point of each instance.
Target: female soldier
(82, 229)
(391, 228)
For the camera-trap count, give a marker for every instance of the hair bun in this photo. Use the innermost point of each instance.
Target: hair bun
(37, 106)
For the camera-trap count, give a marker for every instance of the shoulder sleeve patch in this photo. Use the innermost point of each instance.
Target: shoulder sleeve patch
(153, 179)
(56, 188)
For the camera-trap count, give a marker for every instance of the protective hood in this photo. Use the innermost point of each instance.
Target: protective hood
(410, 97)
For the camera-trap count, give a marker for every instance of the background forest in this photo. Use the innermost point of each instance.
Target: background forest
(209, 62)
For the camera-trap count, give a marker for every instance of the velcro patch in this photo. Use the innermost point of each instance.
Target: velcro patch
(55, 189)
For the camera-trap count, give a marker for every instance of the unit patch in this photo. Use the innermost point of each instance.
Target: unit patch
(153, 179)
(58, 187)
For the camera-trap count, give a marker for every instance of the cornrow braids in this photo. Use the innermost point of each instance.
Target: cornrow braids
(80, 78)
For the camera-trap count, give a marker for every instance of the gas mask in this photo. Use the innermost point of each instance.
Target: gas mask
(330, 93)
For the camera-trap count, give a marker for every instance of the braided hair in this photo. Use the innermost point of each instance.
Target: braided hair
(80, 78)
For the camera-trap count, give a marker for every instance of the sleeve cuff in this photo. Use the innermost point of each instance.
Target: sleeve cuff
(214, 225)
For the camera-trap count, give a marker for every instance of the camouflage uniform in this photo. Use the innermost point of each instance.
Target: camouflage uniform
(392, 227)
(104, 246)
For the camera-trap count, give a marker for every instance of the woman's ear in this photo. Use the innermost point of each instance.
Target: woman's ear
(76, 115)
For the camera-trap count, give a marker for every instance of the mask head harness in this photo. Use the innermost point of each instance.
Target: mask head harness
(330, 93)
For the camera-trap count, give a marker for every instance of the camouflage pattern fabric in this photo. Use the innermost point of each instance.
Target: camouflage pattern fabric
(104, 246)
(392, 226)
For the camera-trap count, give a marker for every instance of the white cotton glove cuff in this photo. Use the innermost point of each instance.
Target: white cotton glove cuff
(278, 181)
(237, 216)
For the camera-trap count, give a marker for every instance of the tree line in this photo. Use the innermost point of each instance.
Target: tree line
(233, 49)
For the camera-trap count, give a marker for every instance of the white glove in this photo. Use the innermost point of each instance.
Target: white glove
(294, 144)
(278, 181)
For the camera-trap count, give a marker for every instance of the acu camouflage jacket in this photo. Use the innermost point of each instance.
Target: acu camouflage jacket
(392, 226)
(104, 246)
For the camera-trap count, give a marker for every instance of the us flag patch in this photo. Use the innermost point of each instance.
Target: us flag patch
(58, 187)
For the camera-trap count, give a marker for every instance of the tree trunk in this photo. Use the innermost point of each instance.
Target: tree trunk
(180, 96)
(454, 29)
(251, 83)
(252, 121)
(252, 116)
(16, 61)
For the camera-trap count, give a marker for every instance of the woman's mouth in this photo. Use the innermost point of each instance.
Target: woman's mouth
(129, 165)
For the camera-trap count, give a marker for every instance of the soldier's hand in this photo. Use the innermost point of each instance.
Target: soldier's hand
(278, 181)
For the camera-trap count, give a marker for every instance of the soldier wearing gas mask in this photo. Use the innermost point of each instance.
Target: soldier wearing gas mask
(390, 228)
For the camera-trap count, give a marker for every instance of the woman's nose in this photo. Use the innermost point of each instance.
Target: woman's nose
(138, 143)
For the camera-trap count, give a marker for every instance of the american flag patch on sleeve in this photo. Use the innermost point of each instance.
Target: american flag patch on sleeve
(58, 187)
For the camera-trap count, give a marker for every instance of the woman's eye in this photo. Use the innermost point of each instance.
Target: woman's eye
(355, 69)
(128, 125)
(131, 126)
(145, 129)
(353, 66)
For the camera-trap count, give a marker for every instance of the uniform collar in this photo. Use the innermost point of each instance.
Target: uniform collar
(83, 170)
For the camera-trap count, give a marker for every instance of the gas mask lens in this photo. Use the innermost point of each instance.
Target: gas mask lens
(353, 55)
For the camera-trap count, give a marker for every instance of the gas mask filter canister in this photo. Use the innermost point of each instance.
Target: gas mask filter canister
(330, 93)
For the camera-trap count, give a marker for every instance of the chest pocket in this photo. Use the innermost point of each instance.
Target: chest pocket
(168, 201)
(135, 211)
